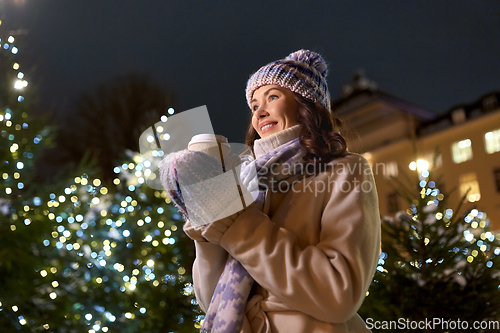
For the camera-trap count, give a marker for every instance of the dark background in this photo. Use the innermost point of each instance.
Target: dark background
(433, 53)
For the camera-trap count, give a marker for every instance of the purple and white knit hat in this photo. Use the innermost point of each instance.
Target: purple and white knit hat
(303, 72)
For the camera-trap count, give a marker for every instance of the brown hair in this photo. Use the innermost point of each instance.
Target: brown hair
(319, 134)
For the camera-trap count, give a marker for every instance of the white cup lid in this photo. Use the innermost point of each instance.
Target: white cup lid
(207, 138)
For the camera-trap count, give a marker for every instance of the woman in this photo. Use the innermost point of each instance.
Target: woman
(311, 241)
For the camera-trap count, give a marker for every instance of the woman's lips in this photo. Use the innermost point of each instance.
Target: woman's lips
(267, 127)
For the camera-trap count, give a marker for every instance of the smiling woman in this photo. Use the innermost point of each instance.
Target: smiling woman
(301, 258)
(294, 91)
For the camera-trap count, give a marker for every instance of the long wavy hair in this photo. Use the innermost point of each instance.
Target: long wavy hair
(320, 132)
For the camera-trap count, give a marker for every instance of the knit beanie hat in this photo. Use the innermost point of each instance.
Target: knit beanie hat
(303, 72)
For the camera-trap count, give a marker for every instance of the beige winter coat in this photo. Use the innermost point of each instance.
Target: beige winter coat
(312, 257)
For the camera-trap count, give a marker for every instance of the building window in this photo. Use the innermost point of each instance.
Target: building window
(462, 151)
(391, 170)
(496, 177)
(468, 182)
(392, 202)
(492, 141)
(458, 116)
(419, 165)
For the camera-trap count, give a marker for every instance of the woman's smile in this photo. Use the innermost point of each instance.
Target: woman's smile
(267, 125)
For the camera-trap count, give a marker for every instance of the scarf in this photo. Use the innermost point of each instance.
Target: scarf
(274, 170)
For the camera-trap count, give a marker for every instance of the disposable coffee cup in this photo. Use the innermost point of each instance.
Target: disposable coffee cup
(218, 147)
(211, 144)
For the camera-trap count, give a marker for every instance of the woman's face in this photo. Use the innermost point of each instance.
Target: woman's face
(273, 109)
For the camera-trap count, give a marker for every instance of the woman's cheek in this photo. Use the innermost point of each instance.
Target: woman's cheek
(254, 125)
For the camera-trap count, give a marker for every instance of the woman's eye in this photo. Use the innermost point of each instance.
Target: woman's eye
(254, 108)
(272, 97)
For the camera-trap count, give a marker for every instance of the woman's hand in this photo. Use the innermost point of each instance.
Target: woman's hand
(199, 188)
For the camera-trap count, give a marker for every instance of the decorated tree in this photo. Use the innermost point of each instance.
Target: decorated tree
(22, 138)
(108, 261)
(22, 135)
(436, 262)
(84, 255)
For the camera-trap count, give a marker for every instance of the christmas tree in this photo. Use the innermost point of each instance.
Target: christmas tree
(110, 262)
(436, 263)
(120, 260)
(22, 137)
(84, 256)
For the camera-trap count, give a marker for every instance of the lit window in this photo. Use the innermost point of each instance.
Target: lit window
(391, 170)
(462, 151)
(468, 182)
(420, 165)
(492, 141)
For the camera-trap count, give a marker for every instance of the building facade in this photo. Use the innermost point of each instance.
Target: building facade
(402, 140)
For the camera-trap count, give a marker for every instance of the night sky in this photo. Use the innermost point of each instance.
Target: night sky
(435, 54)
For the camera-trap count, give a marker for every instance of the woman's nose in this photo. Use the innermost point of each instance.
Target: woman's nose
(261, 113)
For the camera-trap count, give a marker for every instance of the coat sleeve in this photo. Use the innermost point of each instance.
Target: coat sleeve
(209, 261)
(329, 280)
(208, 265)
